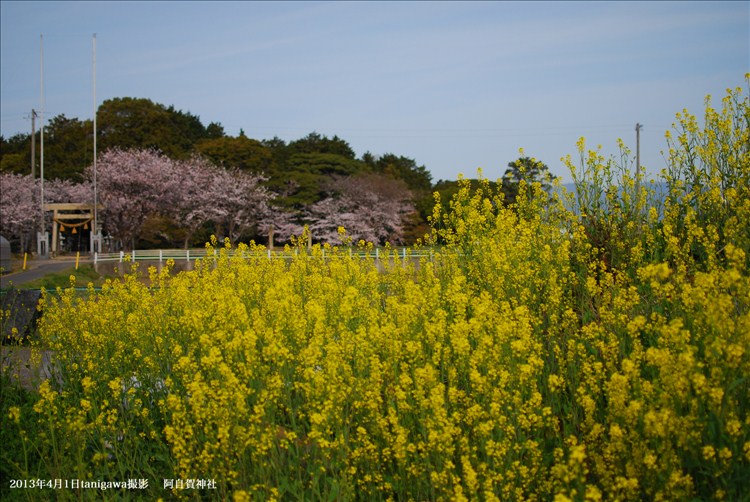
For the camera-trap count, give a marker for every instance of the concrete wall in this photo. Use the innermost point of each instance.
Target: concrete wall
(5, 256)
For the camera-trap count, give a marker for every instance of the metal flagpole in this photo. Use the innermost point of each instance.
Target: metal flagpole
(42, 238)
(95, 227)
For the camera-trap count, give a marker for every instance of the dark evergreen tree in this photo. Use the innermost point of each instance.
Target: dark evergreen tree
(528, 169)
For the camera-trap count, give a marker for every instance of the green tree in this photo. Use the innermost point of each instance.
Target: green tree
(315, 143)
(241, 152)
(68, 148)
(530, 171)
(447, 190)
(15, 154)
(215, 130)
(302, 179)
(325, 163)
(369, 159)
(417, 178)
(279, 153)
(419, 181)
(140, 123)
(187, 125)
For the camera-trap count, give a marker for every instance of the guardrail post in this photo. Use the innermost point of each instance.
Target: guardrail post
(160, 256)
(133, 258)
(122, 256)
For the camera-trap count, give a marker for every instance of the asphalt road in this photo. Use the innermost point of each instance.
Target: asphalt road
(36, 270)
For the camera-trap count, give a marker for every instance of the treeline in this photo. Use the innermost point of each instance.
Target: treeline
(304, 177)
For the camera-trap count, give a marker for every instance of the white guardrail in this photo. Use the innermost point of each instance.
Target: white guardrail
(151, 255)
(162, 255)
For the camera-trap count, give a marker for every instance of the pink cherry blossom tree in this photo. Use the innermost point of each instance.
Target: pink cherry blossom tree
(195, 204)
(284, 225)
(19, 208)
(241, 202)
(68, 191)
(19, 204)
(371, 207)
(134, 184)
(235, 201)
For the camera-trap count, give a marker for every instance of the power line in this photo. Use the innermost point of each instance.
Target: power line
(265, 130)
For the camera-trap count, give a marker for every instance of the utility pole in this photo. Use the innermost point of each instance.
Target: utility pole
(637, 150)
(33, 144)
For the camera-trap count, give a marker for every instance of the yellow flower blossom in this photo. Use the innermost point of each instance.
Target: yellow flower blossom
(568, 346)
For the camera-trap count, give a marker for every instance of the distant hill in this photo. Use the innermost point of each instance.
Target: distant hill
(660, 190)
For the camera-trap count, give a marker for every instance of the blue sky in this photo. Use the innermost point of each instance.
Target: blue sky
(454, 85)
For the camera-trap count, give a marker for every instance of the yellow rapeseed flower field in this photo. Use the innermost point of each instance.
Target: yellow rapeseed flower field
(593, 346)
